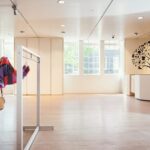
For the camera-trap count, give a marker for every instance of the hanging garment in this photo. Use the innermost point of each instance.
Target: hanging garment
(1, 78)
(26, 70)
(8, 74)
(2, 101)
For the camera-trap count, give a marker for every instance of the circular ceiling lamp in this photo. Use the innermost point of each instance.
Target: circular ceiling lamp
(60, 1)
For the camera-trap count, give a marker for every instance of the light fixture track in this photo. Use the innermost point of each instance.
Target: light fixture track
(99, 20)
(14, 6)
(27, 22)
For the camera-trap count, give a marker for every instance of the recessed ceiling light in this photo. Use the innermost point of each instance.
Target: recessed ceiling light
(62, 25)
(61, 1)
(136, 33)
(63, 32)
(22, 31)
(140, 18)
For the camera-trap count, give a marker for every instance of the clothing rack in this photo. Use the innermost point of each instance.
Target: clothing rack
(20, 128)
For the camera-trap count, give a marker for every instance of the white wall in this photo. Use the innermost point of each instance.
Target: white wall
(45, 53)
(57, 70)
(51, 52)
(33, 44)
(92, 84)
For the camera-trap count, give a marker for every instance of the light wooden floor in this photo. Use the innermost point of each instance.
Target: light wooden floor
(83, 122)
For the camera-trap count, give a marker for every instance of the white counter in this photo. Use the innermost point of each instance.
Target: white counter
(142, 87)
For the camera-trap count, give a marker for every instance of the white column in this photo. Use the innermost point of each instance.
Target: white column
(19, 100)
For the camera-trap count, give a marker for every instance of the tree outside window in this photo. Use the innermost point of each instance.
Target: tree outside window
(71, 58)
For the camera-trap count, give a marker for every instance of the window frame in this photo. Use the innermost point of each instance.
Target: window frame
(101, 61)
(72, 74)
(99, 58)
(112, 43)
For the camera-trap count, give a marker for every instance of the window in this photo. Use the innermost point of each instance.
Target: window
(91, 59)
(112, 57)
(1, 48)
(71, 58)
(9, 51)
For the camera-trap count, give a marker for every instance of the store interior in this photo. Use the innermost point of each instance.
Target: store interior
(74, 74)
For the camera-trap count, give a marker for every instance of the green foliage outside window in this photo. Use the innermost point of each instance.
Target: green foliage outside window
(71, 58)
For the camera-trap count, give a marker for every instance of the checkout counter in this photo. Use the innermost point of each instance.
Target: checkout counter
(139, 86)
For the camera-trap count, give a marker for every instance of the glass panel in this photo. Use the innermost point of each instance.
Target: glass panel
(91, 58)
(8, 51)
(71, 58)
(112, 57)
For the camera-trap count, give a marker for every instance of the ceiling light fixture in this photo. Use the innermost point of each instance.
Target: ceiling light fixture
(113, 36)
(61, 1)
(62, 25)
(63, 32)
(14, 7)
(17, 11)
(140, 18)
(136, 33)
(22, 31)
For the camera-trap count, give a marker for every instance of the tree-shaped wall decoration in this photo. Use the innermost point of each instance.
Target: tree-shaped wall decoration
(141, 56)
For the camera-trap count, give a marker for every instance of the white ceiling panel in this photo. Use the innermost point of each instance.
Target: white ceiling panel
(126, 7)
(80, 17)
(47, 9)
(4, 2)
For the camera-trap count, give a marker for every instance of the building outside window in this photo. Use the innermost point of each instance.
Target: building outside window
(112, 57)
(8, 51)
(71, 58)
(91, 59)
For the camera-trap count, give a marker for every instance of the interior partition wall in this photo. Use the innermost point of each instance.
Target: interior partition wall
(51, 53)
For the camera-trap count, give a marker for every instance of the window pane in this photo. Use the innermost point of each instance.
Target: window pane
(91, 59)
(112, 57)
(71, 58)
(8, 51)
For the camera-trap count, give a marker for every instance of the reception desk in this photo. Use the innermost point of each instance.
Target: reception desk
(139, 85)
(142, 87)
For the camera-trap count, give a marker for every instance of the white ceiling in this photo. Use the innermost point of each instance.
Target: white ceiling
(79, 17)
